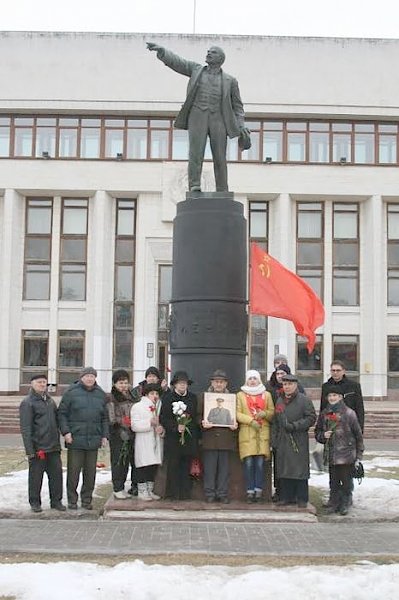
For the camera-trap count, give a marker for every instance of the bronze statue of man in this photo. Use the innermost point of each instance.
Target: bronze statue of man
(213, 108)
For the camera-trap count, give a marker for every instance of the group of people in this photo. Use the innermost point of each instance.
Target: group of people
(154, 424)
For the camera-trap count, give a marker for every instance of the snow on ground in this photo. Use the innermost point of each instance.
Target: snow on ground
(82, 581)
(375, 497)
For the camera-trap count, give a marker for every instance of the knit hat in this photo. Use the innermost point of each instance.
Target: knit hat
(151, 387)
(335, 389)
(38, 376)
(284, 368)
(218, 374)
(153, 371)
(253, 373)
(180, 376)
(280, 359)
(120, 375)
(88, 371)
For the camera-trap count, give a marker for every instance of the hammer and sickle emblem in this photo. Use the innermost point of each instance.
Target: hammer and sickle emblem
(264, 266)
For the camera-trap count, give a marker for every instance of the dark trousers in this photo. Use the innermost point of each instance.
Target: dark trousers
(178, 480)
(276, 480)
(81, 461)
(294, 490)
(119, 467)
(340, 484)
(53, 467)
(146, 473)
(216, 473)
(202, 123)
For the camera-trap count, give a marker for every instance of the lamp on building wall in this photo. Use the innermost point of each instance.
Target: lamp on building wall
(119, 156)
(45, 154)
(268, 160)
(342, 160)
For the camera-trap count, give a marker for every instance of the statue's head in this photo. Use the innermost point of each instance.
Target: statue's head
(215, 56)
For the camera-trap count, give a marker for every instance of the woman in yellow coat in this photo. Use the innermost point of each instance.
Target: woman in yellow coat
(255, 411)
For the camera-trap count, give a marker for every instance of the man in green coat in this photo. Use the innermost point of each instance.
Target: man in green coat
(83, 420)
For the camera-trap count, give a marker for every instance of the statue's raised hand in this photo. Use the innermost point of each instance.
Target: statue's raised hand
(153, 47)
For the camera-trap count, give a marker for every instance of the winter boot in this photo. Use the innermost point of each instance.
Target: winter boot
(344, 506)
(150, 488)
(143, 492)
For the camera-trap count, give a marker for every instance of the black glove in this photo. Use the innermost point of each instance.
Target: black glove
(288, 426)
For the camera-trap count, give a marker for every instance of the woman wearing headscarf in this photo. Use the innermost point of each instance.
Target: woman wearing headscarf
(254, 413)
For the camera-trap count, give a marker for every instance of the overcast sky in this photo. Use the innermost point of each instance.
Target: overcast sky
(341, 18)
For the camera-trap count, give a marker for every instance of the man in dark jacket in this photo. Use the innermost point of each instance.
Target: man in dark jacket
(41, 437)
(217, 445)
(83, 418)
(152, 375)
(350, 390)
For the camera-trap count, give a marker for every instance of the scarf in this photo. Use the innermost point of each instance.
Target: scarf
(253, 391)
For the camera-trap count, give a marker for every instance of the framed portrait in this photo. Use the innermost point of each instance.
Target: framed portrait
(220, 409)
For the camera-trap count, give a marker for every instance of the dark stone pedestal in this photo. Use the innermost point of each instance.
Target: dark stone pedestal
(209, 288)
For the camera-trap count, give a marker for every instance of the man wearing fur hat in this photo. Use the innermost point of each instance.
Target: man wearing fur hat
(83, 418)
(217, 445)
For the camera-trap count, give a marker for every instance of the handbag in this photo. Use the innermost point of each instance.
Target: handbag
(358, 472)
(196, 468)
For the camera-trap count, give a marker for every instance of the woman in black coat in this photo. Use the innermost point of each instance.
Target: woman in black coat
(181, 436)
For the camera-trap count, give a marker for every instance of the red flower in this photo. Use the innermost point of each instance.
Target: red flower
(152, 408)
(41, 454)
(126, 421)
(279, 408)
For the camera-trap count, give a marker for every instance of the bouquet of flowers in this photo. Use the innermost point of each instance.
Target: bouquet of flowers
(179, 410)
(332, 420)
(280, 409)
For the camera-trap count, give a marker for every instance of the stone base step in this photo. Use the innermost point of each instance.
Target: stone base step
(195, 510)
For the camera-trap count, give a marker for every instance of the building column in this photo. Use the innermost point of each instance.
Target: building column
(281, 333)
(100, 286)
(11, 269)
(373, 299)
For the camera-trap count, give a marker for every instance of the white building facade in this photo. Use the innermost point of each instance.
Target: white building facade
(91, 171)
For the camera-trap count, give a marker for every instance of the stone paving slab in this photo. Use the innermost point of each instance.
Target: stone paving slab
(162, 538)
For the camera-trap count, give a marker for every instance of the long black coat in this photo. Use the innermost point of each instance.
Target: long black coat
(290, 436)
(346, 442)
(169, 422)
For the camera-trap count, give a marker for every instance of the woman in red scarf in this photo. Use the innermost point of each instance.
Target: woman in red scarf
(255, 411)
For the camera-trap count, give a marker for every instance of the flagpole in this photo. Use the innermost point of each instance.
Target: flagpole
(194, 13)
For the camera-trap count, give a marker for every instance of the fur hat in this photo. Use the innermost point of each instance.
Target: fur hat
(38, 376)
(120, 375)
(284, 368)
(151, 387)
(335, 389)
(290, 377)
(88, 371)
(153, 371)
(280, 359)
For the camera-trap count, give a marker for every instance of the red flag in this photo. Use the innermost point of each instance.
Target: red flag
(278, 292)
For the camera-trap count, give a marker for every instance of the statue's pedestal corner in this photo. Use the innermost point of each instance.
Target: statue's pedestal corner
(197, 195)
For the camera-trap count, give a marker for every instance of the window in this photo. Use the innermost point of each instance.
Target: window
(346, 349)
(23, 136)
(342, 142)
(136, 139)
(310, 247)
(319, 142)
(73, 249)
(45, 136)
(159, 138)
(34, 354)
(37, 260)
(68, 138)
(296, 141)
(258, 232)
(164, 296)
(114, 137)
(273, 141)
(124, 284)
(393, 362)
(254, 152)
(393, 254)
(364, 144)
(4, 136)
(387, 143)
(345, 255)
(309, 366)
(90, 136)
(71, 354)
